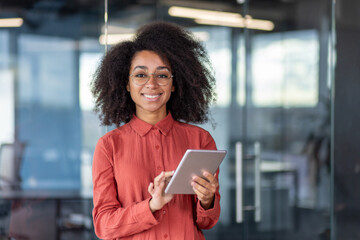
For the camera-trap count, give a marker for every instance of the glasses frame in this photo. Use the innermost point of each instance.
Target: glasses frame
(149, 74)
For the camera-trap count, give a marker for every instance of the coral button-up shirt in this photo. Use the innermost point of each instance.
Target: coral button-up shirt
(125, 161)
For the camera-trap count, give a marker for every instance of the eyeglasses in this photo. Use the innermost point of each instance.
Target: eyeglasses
(140, 76)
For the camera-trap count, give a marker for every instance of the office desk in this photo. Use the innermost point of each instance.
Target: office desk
(270, 170)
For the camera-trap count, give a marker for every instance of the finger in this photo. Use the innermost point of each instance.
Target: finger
(211, 178)
(208, 188)
(168, 174)
(164, 175)
(168, 177)
(202, 197)
(202, 182)
(199, 194)
(159, 178)
(162, 185)
(151, 188)
(201, 189)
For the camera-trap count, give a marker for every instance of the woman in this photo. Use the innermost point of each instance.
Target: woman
(153, 84)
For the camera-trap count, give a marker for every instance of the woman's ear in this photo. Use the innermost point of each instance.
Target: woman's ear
(128, 87)
(173, 89)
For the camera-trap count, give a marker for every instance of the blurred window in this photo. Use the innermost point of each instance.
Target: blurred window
(7, 99)
(285, 69)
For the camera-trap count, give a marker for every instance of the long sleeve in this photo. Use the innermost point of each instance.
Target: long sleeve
(111, 220)
(206, 219)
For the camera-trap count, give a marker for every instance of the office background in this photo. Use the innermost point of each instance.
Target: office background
(287, 85)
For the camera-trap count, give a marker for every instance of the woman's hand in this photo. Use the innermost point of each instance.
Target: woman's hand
(205, 189)
(156, 190)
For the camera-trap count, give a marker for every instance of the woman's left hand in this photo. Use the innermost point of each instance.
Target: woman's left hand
(205, 188)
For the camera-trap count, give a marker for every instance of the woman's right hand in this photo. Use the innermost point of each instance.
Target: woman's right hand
(156, 190)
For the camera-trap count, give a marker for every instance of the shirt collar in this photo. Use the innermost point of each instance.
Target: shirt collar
(142, 127)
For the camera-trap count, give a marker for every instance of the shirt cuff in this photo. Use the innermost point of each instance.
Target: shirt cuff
(142, 213)
(211, 212)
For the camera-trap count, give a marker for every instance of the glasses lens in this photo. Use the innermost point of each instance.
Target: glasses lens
(162, 76)
(140, 76)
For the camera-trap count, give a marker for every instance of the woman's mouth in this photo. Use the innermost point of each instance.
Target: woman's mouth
(152, 97)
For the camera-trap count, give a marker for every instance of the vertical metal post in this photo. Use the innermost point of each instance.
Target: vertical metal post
(239, 182)
(257, 204)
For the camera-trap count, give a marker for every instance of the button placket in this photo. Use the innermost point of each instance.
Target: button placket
(158, 139)
(158, 152)
(166, 228)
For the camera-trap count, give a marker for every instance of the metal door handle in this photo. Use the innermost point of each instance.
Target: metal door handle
(239, 182)
(257, 203)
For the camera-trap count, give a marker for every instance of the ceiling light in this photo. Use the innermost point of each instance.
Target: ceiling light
(218, 18)
(113, 39)
(257, 24)
(11, 22)
(203, 14)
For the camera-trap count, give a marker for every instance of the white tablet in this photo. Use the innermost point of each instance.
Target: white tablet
(193, 163)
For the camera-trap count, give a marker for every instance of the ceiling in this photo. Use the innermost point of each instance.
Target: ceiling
(37, 13)
(74, 6)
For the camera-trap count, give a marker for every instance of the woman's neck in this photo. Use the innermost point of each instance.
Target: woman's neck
(151, 118)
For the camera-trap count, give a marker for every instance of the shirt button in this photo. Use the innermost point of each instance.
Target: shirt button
(159, 168)
(165, 235)
(164, 212)
(157, 147)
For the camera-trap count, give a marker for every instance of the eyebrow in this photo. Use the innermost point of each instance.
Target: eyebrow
(158, 68)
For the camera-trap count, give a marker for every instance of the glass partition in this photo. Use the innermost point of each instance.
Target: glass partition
(48, 131)
(274, 92)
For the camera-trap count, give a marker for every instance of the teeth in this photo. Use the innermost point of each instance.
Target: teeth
(151, 96)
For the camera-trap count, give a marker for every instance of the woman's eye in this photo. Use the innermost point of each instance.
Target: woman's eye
(162, 76)
(140, 75)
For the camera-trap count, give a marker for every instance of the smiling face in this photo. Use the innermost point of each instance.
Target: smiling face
(150, 99)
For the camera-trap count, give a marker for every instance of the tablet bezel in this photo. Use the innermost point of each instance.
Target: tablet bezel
(193, 163)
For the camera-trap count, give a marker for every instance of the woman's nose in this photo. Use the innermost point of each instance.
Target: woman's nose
(152, 81)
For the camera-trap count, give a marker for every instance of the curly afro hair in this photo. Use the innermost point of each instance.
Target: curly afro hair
(193, 76)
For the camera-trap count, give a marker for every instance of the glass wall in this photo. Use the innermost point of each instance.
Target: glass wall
(48, 131)
(273, 77)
